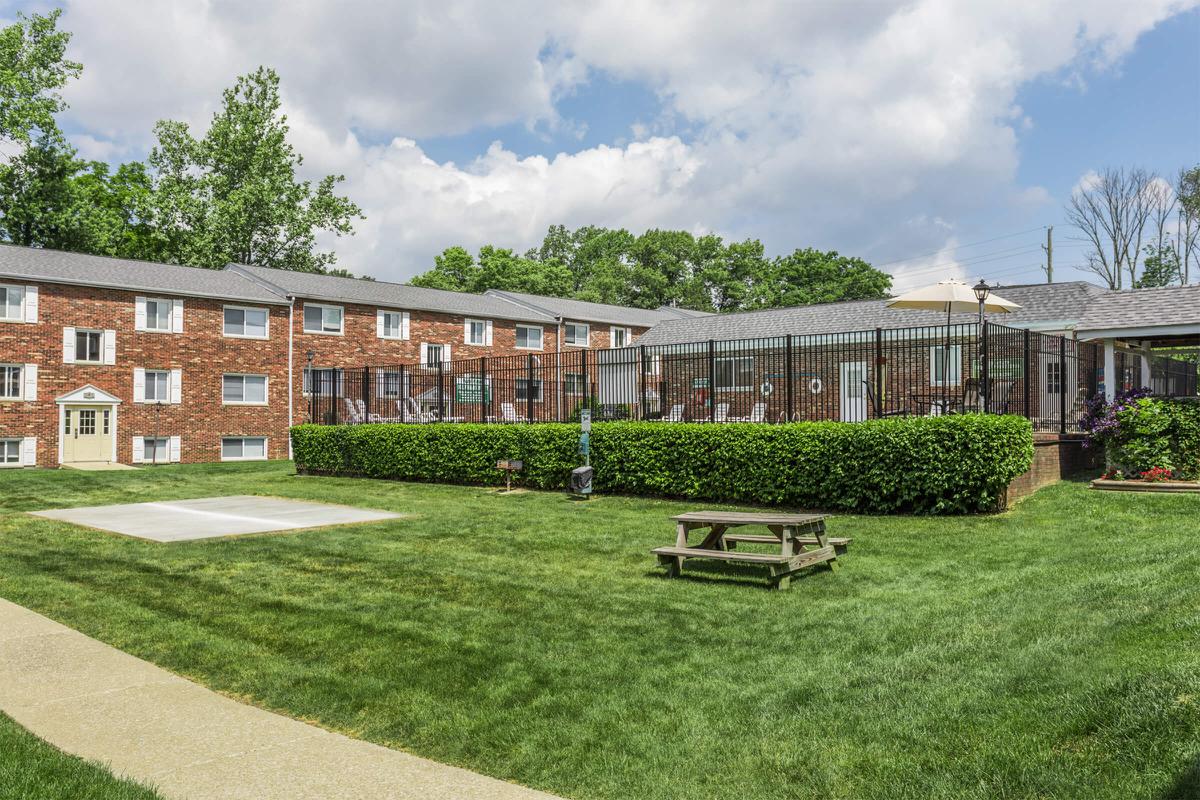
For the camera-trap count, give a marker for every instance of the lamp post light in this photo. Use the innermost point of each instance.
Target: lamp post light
(982, 290)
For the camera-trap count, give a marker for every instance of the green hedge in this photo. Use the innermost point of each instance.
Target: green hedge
(939, 465)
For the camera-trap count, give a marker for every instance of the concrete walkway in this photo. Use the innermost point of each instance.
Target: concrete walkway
(190, 743)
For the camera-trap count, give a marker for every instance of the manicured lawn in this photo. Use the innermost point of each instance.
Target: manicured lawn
(1051, 652)
(30, 769)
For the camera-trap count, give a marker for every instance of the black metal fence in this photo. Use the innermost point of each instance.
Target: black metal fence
(850, 376)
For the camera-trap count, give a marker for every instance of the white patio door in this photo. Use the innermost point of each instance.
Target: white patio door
(853, 390)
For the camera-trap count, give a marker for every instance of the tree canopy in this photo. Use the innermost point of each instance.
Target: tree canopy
(33, 67)
(657, 268)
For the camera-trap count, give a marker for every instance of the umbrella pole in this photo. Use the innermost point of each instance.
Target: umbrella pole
(946, 365)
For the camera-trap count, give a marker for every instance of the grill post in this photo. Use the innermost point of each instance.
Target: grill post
(1062, 384)
(712, 383)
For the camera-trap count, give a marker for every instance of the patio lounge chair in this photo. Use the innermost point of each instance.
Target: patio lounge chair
(757, 414)
(415, 414)
(508, 413)
(881, 412)
(353, 415)
(722, 413)
(674, 415)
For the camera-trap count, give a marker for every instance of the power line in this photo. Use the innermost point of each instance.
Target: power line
(962, 246)
(984, 258)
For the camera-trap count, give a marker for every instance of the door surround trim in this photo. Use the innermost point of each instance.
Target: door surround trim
(87, 395)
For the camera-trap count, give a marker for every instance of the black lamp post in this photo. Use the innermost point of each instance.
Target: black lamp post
(982, 290)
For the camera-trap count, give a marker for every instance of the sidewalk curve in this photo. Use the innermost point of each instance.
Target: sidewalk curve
(191, 743)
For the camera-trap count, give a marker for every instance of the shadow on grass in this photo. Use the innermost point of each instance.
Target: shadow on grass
(743, 576)
(1187, 786)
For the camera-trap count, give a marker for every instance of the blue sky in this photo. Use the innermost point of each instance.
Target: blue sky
(885, 129)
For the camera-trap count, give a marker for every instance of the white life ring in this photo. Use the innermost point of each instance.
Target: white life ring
(815, 386)
(766, 388)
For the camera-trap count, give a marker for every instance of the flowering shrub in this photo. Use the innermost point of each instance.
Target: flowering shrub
(1143, 434)
(1113, 474)
(1157, 475)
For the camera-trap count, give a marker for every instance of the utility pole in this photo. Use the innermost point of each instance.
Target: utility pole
(1049, 248)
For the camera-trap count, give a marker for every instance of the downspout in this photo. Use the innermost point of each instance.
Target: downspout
(291, 334)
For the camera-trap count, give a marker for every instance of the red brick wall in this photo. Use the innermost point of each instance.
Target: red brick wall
(201, 352)
(1055, 457)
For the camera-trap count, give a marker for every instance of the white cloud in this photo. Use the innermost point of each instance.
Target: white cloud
(833, 125)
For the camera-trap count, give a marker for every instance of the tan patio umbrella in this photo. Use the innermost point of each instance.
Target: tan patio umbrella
(951, 296)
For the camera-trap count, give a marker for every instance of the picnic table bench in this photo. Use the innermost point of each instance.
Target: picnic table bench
(792, 532)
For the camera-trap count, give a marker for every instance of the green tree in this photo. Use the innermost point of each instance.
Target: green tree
(33, 67)
(1160, 267)
(233, 194)
(454, 270)
(50, 198)
(810, 276)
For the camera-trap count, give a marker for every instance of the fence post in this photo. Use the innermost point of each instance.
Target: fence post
(334, 387)
(366, 393)
(642, 382)
(441, 390)
(984, 377)
(790, 392)
(1028, 376)
(529, 389)
(313, 398)
(878, 373)
(712, 383)
(402, 394)
(1062, 383)
(485, 399)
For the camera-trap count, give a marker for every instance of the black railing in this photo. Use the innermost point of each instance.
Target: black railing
(850, 376)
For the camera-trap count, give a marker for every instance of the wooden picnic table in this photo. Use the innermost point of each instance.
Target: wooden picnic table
(792, 532)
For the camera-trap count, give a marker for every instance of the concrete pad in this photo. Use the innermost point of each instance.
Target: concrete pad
(210, 517)
(155, 727)
(97, 466)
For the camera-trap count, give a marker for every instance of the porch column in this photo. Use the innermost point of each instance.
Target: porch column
(1147, 375)
(1110, 370)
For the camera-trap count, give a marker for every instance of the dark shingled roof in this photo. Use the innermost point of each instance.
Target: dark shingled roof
(1144, 308)
(1055, 306)
(389, 295)
(584, 311)
(56, 266)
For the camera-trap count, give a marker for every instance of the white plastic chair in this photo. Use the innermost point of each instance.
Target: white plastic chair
(508, 413)
(353, 416)
(675, 414)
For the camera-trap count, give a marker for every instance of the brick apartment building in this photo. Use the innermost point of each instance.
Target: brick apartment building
(112, 360)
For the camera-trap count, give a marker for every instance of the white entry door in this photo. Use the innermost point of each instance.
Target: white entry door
(853, 385)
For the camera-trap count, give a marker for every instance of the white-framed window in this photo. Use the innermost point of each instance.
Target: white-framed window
(158, 315)
(323, 319)
(10, 452)
(18, 303)
(89, 347)
(156, 449)
(529, 337)
(245, 322)
(477, 332)
(434, 354)
(11, 380)
(248, 390)
(1054, 381)
(158, 386)
(576, 334)
(945, 366)
(391, 324)
(734, 374)
(328, 381)
(574, 383)
(243, 448)
(390, 383)
(523, 386)
(619, 337)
